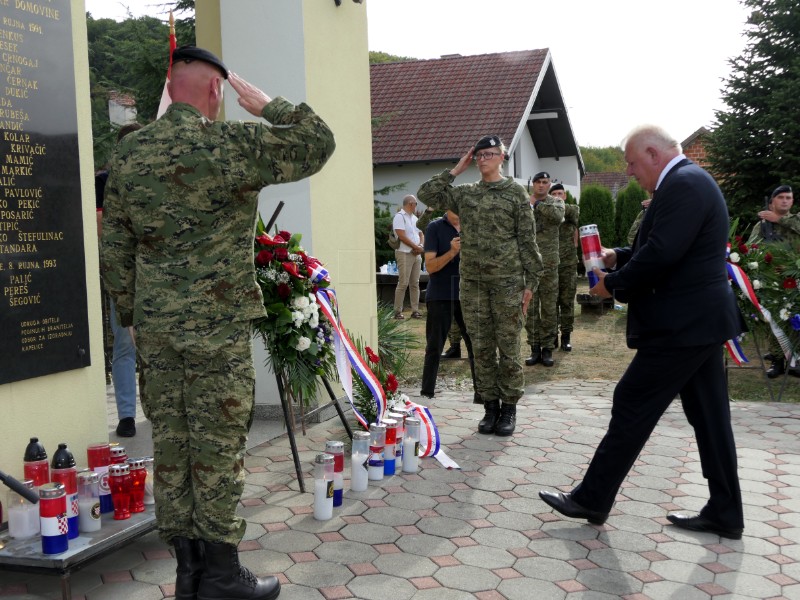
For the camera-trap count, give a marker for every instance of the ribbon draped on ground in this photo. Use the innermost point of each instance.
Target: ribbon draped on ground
(737, 274)
(429, 443)
(347, 355)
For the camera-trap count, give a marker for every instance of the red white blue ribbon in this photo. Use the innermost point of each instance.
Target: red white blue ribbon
(347, 356)
(429, 441)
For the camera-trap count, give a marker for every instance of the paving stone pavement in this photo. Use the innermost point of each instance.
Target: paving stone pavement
(482, 532)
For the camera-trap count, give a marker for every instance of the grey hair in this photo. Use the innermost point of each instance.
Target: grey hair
(407, 200)
(652, 135)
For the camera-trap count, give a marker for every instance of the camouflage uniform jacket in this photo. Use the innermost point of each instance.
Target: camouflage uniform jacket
(549, 215)
(568, 254)
(498, 231)
(787, 229)
(180, 211)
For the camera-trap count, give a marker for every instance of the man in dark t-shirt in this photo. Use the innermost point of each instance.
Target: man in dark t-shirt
(442, 258)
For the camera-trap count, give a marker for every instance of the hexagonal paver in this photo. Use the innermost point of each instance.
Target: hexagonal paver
(370, 533)
(469, 579)
(319, 573)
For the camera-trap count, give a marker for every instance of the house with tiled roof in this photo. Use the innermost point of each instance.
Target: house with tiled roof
(694, 147)
(428, 113)
(611, 180)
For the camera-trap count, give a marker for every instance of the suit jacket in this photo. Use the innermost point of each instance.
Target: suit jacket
(674, 276)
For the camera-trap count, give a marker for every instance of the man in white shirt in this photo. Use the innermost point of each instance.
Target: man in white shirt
(408, 257)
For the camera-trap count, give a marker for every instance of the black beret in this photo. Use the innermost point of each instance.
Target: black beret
(541, 175)
(489, 141)
(781, 189)
(190, 53)
(556, 186)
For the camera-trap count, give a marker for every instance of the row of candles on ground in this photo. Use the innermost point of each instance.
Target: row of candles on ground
(389, 446)
(73, 501)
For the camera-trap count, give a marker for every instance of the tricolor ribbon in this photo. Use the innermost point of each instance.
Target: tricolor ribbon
(429, 441)
(738, 276)
(347, 356)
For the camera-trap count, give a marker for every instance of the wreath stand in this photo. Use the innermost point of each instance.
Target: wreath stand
(287, 416)
(763, 367)
(287, 412)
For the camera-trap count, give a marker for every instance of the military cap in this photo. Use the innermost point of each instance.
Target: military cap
(556, 186)
(191, 53)
(781, 189)
(489, 141)
(541, 175)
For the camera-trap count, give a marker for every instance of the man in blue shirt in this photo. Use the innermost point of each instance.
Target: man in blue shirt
(442, 258)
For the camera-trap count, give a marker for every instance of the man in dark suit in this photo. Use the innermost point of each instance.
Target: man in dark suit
(681, 310)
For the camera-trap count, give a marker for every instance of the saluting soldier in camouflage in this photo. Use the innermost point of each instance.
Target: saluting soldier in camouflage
(500, 267)
(177, 257)
(542, 318)
(567, 266)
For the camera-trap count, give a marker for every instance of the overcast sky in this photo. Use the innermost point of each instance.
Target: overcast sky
(619, 62)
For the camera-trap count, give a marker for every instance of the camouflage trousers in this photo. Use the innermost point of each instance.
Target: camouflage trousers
(567, 287)
(541, 324)
(199, 389)
(493, 317)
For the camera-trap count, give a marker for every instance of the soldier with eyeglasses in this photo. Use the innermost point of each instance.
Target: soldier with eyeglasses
(500, 267)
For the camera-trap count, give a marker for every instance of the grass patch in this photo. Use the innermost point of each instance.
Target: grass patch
(599, 353)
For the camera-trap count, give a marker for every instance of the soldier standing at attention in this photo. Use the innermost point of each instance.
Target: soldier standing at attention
(542, 322)
(567, 266)
(177, 257)
(500, 267)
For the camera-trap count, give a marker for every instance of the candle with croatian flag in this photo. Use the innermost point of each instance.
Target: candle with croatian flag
(377, 445)
(336, 449)
(389, 463)
(592, 252)
(398, 444)
(53, 518)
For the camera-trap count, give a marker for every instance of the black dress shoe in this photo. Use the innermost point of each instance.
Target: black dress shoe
(452, 352)
(126, 427)
(564, 504)
(702, 524)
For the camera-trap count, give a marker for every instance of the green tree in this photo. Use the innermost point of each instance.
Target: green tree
(607, 159)
(597, 207)
(382, 57)
(130, 56)
(755, 141)
(629, 205)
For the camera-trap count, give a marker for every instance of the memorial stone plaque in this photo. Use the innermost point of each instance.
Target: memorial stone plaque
(43, 308)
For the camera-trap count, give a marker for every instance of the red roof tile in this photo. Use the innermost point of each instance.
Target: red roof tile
(432, 110)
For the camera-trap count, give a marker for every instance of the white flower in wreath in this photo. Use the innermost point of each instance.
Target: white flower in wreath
(303, 343)
(300, 302)
(756, 284)
(784, 314)
(298, 318)
(734, 257)
(753, 266)
(313, 321)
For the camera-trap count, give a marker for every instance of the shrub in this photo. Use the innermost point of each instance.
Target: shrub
(597, 207)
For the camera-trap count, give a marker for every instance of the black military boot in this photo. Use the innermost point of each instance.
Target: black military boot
(565, 345)
(535, 357)
(490, 417)
(547, 357)
(189, 555)
(777, 368)
(452, 352)
(508, 419)
(225, 579)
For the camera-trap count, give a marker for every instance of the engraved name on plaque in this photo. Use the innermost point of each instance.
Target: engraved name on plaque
(43, 307)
